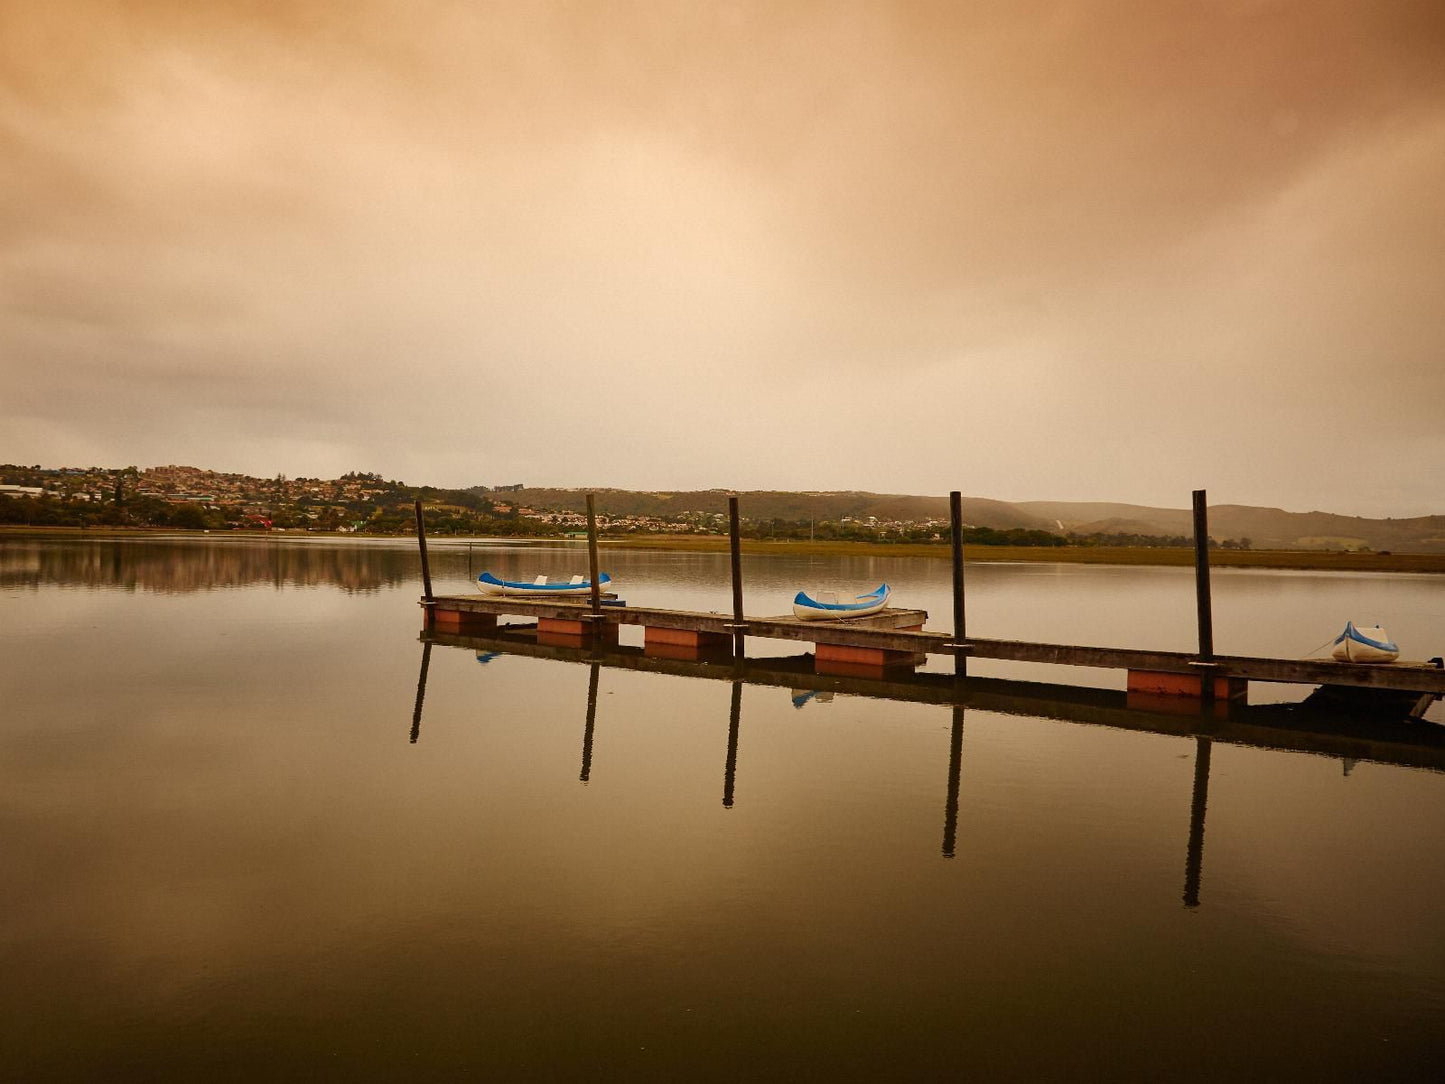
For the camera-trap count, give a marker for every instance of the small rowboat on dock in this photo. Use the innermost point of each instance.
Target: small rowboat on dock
(828, 608)
(540, 587)
(1369, 644)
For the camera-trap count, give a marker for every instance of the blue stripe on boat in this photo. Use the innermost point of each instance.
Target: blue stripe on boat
(1352, 633)
(863, 601)
(603, 580)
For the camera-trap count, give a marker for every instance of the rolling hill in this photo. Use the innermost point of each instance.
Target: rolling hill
(1266, 528)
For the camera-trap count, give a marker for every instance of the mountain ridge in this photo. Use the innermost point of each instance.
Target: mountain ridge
(1265, 528)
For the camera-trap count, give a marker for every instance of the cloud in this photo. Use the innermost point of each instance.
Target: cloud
(1049, 250)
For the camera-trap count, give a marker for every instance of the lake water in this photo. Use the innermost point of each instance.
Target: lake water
(233, 849)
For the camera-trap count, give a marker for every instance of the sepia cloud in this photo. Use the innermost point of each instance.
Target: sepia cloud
(1039, 250)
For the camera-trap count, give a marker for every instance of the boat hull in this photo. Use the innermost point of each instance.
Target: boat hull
(488, 584)
(806, 608)
(1364, 645)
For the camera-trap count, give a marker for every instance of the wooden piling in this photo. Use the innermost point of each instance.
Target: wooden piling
(1201, 592)
(592, 556)
(421, 542)
(955, 515)
(735, 545)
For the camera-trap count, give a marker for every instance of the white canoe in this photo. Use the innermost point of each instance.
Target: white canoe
(828, 608)
(1368, 644)
(488, 584)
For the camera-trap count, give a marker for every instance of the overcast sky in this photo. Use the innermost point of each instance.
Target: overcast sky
(1029, 250)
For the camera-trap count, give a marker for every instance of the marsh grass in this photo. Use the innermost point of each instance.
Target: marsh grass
(1317, 560)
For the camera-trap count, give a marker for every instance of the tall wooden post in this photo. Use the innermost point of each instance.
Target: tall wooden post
(592, 555)
(1201, 592)
(735, 544)
(421, 542)
(955, 531)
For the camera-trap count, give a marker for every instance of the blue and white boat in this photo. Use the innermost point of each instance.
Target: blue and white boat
(1368, 644)
(828, 608)
(541, 587)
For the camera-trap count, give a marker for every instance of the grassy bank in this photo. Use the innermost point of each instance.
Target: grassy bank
(1093, 555)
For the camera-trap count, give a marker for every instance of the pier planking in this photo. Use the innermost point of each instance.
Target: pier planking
(886, 631)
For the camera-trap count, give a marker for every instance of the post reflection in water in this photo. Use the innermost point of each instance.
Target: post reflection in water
(950, 807)
(591, 721)
(1264, 727)
(420, 691)
(730, 771)
(1194, 859)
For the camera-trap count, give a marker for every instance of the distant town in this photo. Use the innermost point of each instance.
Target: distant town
(191, 498)
(359, 502)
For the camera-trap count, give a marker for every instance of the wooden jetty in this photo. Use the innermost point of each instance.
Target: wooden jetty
(895, 639)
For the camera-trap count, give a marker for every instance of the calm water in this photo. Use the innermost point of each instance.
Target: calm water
(226, 857)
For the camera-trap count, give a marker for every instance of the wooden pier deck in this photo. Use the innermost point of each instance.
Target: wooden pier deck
(899, 631)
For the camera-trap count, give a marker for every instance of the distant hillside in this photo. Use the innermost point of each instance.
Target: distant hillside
(1266, 528)
(787, 506)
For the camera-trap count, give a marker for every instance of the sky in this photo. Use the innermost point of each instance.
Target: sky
(1032, 251)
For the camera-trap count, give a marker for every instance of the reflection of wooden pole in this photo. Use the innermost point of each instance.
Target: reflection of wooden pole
(421, 542)
(592, 555)
(591, 722)
(1194, 857)
(420, 691)
(955, 515)
(735, 545)
(955, 758)
(1201, 592)
(730, 770)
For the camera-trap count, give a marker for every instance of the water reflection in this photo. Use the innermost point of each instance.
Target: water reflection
(1263, 726)
(803, 697)
(592, 681)
(730, 770)
(420, 692)
(150, 565)
(1194, 856)
(955, 761)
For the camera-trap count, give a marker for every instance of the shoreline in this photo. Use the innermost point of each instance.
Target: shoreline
(1299, 560)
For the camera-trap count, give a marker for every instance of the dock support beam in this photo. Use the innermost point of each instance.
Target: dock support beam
(955, 515)
(735, 546)
(1201, 593)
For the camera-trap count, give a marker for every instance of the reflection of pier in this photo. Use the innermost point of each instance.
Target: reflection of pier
(592, 678)
(955, 761)
(1290, 727)
(1280, 727)
(1194, 859)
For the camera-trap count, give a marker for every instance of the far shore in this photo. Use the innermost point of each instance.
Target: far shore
(1310, 560)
